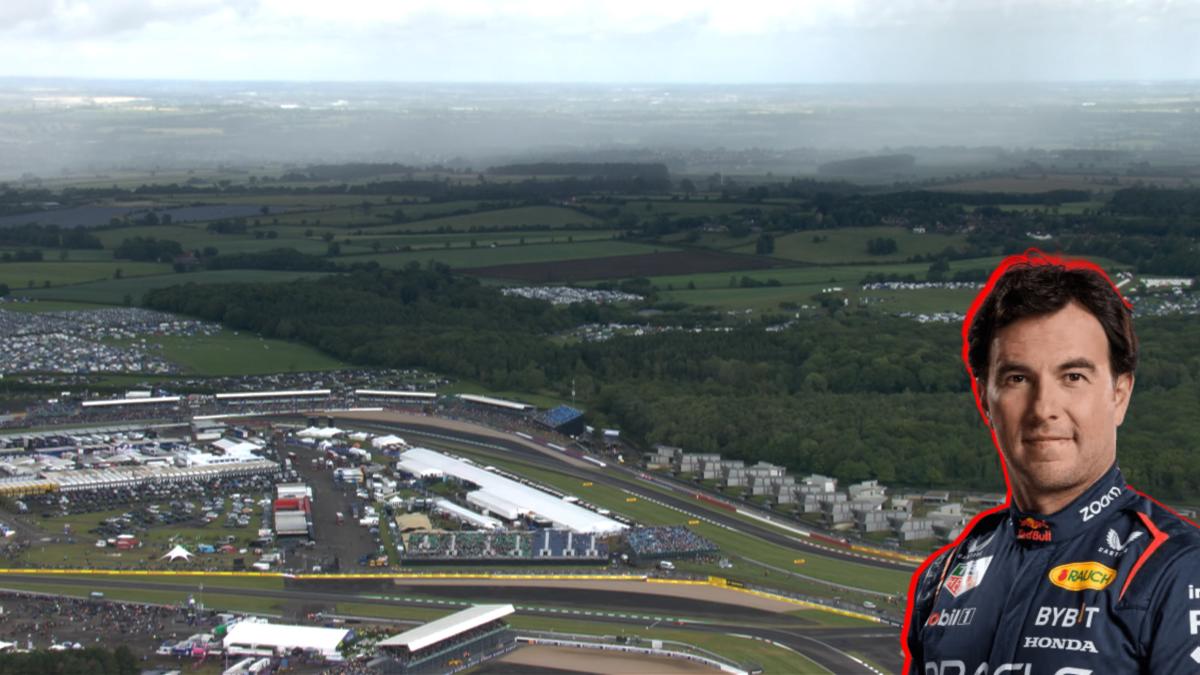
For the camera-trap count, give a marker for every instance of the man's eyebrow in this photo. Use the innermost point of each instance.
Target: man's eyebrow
(1006, 367)
(1078, 364)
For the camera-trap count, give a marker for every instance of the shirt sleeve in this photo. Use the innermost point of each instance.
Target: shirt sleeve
(1172, 630)
(919, 607)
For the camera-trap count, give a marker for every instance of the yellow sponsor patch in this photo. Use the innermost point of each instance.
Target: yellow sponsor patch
(1082, 576)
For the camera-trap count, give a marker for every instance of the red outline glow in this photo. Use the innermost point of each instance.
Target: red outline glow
(1032, 257)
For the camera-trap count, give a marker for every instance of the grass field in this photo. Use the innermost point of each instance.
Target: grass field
(114, 291)
(693, 207)
(464, 239)
(229, 353)
(196, 237)
(73, 255)
(1073, 208)
(1037, 182)
(551, 216)
(35, 274)
(849, 245)
(38, 306)
(508, 255)
(801, 275)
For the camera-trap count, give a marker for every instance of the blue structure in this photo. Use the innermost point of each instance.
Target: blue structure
(564, 419)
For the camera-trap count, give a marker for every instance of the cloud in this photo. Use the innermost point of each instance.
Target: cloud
(88, 19)
(615, 40)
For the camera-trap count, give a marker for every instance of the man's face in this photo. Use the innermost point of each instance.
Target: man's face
(1053, 401)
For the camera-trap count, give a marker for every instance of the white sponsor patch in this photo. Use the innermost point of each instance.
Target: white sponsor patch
(1064, 644)
(967, 575)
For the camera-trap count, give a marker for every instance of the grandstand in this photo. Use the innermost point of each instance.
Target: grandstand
(564, 419)
(139, 402)
(266, 400)
(394, 397)
(498, 547)
(496, 404)
(450, 644)
(661, 543)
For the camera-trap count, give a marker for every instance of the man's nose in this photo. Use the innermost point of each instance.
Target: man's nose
(1046, 402)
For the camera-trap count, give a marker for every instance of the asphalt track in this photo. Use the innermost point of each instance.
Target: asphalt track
(826, 646)
(595, 474)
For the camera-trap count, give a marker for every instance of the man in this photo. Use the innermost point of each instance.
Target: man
(1078, 573)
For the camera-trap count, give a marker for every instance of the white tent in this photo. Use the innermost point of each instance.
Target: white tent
(177, 553)
(387, 441)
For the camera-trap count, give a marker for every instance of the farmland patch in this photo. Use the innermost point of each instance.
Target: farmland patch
(623, 266)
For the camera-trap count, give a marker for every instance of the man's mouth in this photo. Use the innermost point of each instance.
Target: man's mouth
(1034, 440)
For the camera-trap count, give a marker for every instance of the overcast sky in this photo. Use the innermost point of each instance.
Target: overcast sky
(718, 41)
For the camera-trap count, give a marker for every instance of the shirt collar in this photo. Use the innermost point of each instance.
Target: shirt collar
(1107, 494)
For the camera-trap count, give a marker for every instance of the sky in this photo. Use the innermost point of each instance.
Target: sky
(608, 41)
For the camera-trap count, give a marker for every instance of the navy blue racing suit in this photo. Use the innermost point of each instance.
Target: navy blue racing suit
(1110, 584)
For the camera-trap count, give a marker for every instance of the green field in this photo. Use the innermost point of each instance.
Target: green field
(849, 245)
(690, 208)
(34, 274)
(230, 353)
(507, 255)
(1072, 208)
(800, 284)
(73, 254)
(113, 291)
(38, 306)
(463, 240)
(525, 216)
(196, 237)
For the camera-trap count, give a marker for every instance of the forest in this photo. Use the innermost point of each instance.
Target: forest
(854, 394)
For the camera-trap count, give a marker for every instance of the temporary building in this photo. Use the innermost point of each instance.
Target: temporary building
(177, 553)
(264, 639)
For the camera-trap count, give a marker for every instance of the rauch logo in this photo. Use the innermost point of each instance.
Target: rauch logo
(1082, 576)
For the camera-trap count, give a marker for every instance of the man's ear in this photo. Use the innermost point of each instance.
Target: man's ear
(1122, 391)
(981, 387)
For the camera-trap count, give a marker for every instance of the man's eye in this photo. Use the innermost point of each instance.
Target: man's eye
(1015, 379)
(1076, 377)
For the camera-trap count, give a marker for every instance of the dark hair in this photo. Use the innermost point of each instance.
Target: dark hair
(1037, 286)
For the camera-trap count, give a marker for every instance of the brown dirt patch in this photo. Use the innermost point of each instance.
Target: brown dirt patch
(625, 266)
(597, 661)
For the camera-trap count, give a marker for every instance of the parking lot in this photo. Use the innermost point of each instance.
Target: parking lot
(347, 542)
(218, 520)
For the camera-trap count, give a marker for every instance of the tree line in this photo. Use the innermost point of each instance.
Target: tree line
(856, 395)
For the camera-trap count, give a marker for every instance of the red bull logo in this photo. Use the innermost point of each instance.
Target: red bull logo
(1032, 529)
